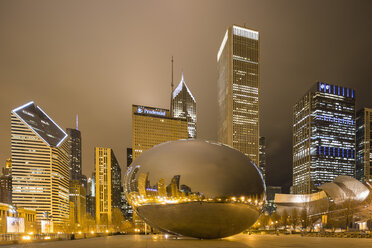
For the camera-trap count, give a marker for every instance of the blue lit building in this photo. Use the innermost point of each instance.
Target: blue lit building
(323, 136)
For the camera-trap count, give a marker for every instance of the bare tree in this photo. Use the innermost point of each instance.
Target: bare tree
(294, 218)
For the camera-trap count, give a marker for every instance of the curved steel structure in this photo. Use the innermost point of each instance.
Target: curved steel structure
(195, 188)
(343, 193)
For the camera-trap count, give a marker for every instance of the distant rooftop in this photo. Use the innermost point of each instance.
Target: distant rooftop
(180, 86)
(34, 117)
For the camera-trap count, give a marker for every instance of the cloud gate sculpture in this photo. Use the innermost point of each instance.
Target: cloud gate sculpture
(195, 188)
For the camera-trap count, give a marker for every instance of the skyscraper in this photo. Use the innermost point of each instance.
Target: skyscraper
(108, 184)
(238, 91)
(263, 157)
(184, 106)
(129, 156)
(74, 148)
(323, 136)
(91, 196)
(40, 164)
(6, 183)
(364, 145)
(79, 202)
(152, 126)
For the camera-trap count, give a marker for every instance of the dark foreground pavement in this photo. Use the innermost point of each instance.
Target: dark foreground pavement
(240, 241)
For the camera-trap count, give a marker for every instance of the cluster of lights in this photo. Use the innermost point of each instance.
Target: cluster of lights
(138, 200)
(26, 237)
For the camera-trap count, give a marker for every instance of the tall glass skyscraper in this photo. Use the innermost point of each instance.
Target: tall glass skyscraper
(184, 106)
(364, 145)
(74, 145)
(323, 136)
(40, 165)
(238, 91)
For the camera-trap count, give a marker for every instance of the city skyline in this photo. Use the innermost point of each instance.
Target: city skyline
(57, 62)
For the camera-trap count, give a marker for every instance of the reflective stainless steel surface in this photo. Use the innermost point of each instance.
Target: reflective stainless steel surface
(195, 188)
(337, 199)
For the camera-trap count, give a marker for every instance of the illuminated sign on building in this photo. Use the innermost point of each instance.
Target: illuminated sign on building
(143, 110)
(15, 224)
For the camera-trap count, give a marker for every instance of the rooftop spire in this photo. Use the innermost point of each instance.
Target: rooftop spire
(77, 122)
(172, 85)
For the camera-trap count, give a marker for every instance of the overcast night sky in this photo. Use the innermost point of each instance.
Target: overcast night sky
(97, 58)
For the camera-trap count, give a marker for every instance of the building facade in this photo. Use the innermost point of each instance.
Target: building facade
(363, 145)
(40, 165)
(91, 196)
(6, 183)
(271, 191)
(152, 126)
(238, 91)
(74, 148)
(79, 203)
(108, 184)
(16, 219)
(263, 157)
(184, 106)
(323, 136)
(129, 156)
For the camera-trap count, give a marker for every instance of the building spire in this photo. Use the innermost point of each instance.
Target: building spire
(77, 122)
(172, 85)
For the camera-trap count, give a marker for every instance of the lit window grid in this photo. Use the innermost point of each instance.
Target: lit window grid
(310, 132)
(363, 145)
(184, 106)
(108, 180)
(149, 131)
(40, 173)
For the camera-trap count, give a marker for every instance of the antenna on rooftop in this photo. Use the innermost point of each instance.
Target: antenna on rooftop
(172, 85)
(77, 122)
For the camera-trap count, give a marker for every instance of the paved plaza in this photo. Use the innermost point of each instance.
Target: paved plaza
(238, 241)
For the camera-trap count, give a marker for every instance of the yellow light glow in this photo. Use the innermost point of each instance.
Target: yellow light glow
(26, 237)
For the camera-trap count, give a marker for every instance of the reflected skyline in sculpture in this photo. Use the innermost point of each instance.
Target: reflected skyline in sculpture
(195, 188)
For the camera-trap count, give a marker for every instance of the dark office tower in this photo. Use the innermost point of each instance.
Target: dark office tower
(91, 196)
(74, 148)
(263, 157)
(364, 145)
(238, 91)
(270, 206)
(126, 209)
(115, 182)
(323, 136)
(84, 182)
(129, 156)
(184, 106)
(6, 183)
